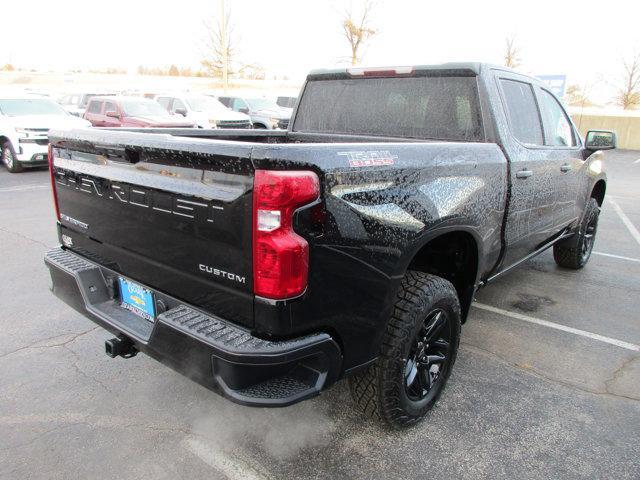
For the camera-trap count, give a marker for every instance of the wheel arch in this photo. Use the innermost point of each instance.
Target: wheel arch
(454, 255)
(598, 191)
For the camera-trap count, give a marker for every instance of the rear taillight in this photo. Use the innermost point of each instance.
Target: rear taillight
(53, 182)
(280, 256)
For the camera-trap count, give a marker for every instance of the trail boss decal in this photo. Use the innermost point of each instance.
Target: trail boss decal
(369, 158)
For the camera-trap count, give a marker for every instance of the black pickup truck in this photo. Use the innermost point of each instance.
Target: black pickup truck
(268, 265)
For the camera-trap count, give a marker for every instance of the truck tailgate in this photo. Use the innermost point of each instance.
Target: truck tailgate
(171, 213)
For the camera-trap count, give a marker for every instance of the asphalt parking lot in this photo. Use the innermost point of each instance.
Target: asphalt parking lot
(547, 382)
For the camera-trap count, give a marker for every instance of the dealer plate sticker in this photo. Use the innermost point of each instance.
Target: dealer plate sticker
(137, 299)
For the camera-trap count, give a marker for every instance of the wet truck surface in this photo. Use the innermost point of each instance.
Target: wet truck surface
(267, 265)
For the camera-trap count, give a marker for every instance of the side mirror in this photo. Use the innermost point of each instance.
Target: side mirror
(243, 110)
(600, 140)
(112, 114)
(181, 111)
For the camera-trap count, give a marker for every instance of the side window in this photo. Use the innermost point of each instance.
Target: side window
(556, 122)
(238, 103)
(178, 104)
(164, 101)
(110, 107)
(94, 106)
(523, 111)
(464, 114)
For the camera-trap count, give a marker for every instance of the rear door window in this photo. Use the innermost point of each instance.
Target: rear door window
(110, 107)
(559, 130)
(178, 105)
(239, 103)
(522, 110)
(164, 101)
(94, 106)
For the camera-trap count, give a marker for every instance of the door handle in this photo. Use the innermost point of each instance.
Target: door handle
(524, 174)
(565, 168)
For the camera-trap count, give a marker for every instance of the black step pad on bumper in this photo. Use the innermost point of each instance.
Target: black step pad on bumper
(214, 352)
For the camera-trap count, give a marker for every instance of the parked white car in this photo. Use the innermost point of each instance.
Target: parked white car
(25, 122)
(204, 111)
(264, 113)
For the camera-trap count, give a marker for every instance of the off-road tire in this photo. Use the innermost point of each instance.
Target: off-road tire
(8, 158)
(574, 253)
(380, 391)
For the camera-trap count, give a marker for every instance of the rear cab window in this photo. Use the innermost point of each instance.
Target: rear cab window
(522, 111)
(421, 107)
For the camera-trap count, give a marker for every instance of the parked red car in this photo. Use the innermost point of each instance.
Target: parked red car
(131, 112)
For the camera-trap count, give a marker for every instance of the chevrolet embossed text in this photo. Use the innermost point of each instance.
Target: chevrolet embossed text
(165, 202)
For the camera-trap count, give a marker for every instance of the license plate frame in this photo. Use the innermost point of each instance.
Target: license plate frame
(137, 299)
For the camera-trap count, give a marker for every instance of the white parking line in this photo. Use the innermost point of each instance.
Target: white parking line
(628, 259)
(557, 326)
(637, 161)
(21, 188)
(622, 197)
(627, 223)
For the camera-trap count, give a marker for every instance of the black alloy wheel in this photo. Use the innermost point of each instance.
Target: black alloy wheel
(428, 358)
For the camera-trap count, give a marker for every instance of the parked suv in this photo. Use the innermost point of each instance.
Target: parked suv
(131, 112)
(204, 111)
(264, 113)
(24, 127)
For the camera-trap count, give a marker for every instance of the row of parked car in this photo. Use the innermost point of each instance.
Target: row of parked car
(25, 119)
(199, 110)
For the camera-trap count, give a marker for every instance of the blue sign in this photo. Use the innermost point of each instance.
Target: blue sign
(556, 83)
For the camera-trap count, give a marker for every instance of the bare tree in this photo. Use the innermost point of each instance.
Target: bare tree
(357, 29)
(629, 93)
(511, 53)
(577, 96)
(219, 46)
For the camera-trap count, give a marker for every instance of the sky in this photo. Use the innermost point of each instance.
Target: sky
(585, 40)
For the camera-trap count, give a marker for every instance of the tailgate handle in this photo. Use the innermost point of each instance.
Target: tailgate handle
(118, 154)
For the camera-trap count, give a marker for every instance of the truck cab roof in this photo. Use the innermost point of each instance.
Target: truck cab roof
(449, 68)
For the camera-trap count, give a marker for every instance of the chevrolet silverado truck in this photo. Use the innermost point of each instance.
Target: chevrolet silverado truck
(25, 121)
(267, 265)
(264, 113)
(203, 110)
